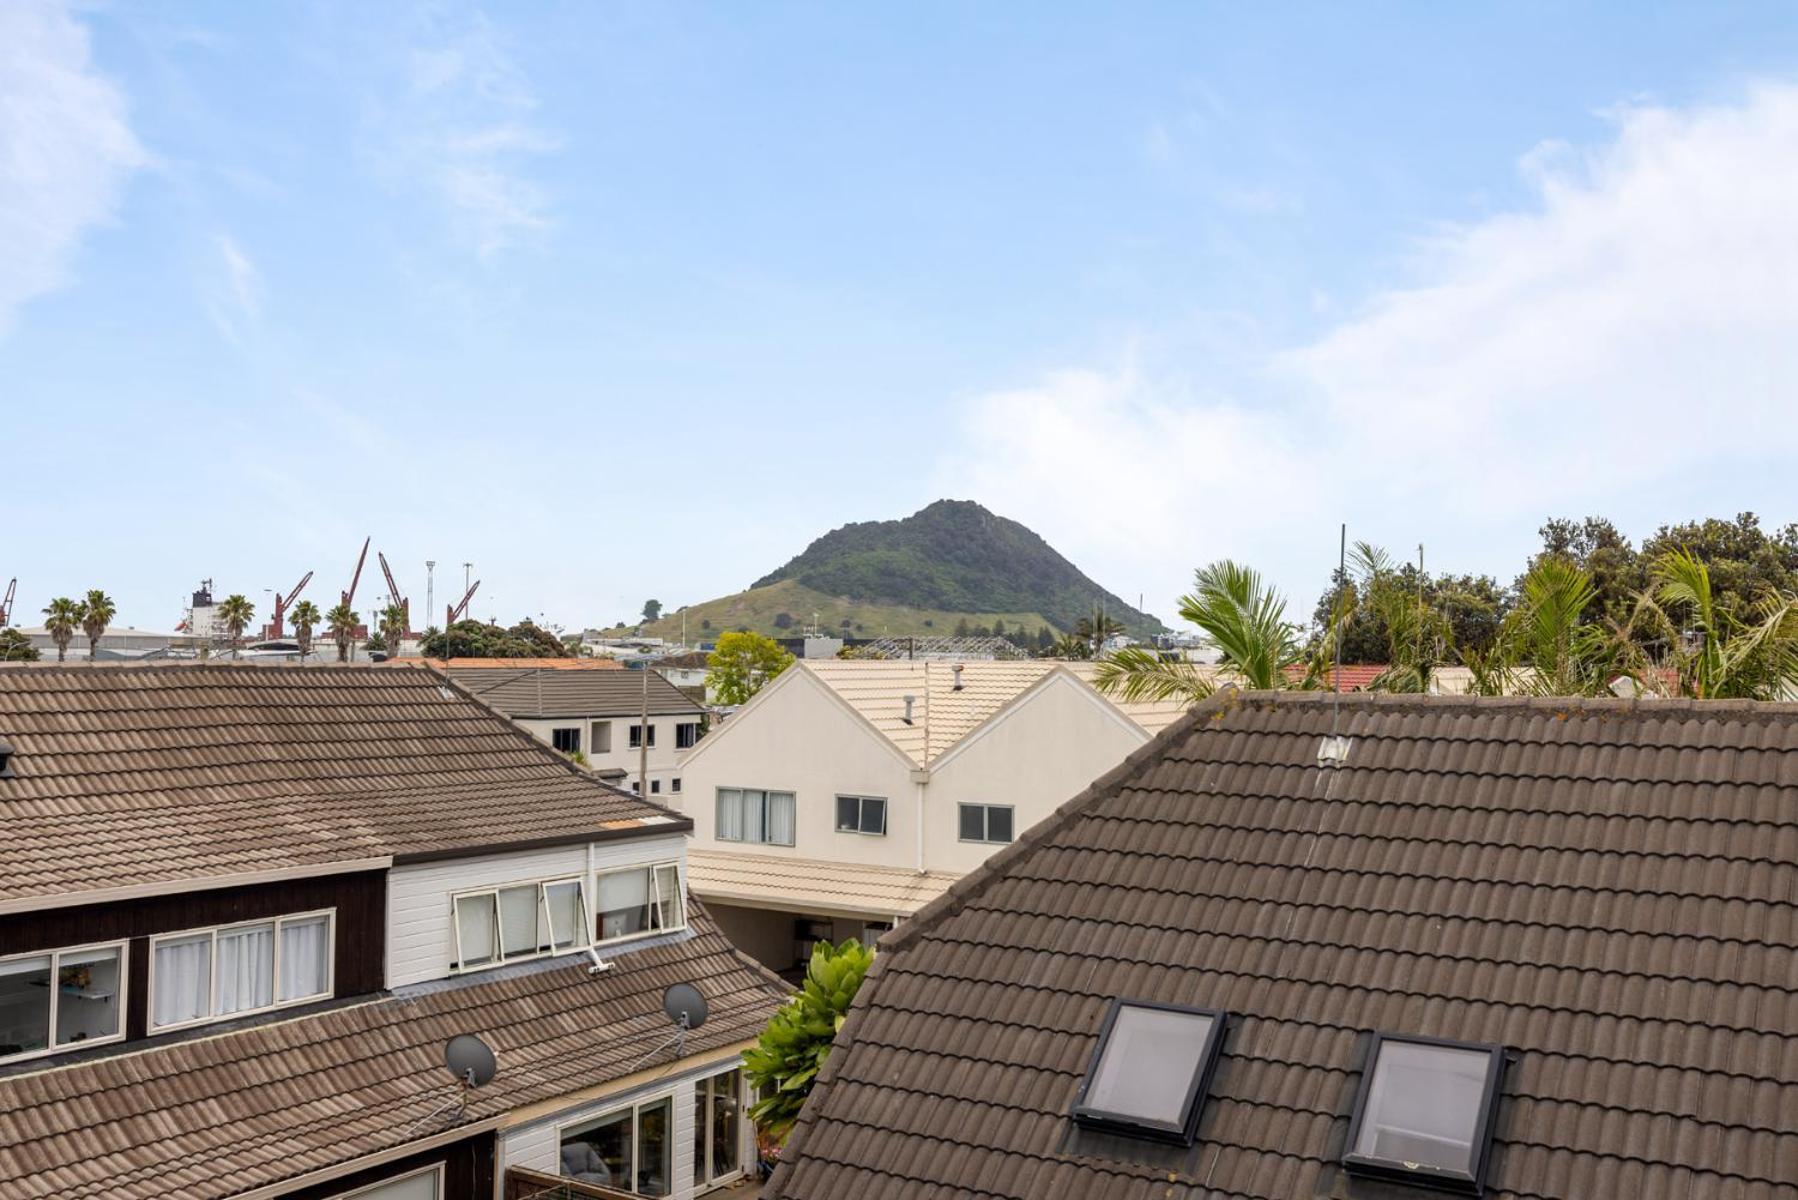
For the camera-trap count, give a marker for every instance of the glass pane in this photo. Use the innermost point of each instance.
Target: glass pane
(668, 897)
(727, 1135)
(874, 816)
(246, 968)
(998, 824)
(422, 1186)
(518, 920)
(600, 1152)
(849, 812)
(24, 1005)
(1424, 1105)
(730, 815)
(1148, 1064)
(701, 1127)
(623, 903)
(973, 823)
(755, 816)
(305, 958)
(780, 818)
(566, 920)
(476, 927)
(87, 995)
(655, 1146)
(182, 988)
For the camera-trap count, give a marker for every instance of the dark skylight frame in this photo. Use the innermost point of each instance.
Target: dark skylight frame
(1473, 1179)
(1179, 1127)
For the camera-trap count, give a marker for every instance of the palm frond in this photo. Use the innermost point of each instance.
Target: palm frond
(1135, 674)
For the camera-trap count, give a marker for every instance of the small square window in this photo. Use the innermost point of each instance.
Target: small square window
(568, 741)
(1149, 1072)
(1425, 1110)
(985, 823)
(674, 784)
(655, 787)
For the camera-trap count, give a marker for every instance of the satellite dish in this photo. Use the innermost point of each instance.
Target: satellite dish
(470, 1060)
(684, 1005)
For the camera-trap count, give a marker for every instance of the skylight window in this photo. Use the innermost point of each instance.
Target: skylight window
(1149, 1072)
(1425, 1111)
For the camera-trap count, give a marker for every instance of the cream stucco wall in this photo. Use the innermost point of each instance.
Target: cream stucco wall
(664, 760)
(799, 739)
(1040, 752)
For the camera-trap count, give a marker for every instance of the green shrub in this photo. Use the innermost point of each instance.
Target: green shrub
(792, 1050)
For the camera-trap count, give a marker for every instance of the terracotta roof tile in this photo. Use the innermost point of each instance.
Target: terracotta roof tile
(131, 775)
(1609, 889)
(255, 1106)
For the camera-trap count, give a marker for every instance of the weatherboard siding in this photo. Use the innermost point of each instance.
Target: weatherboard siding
(421, 936)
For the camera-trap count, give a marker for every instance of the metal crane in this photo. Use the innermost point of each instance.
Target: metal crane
(393, 593)
(453, 613)
(274, 630)
(12, 589)
(349, 597)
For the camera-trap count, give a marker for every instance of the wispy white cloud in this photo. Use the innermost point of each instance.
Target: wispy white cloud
(1631, 333)
(66, 148)
(462, 121)
(234, 291)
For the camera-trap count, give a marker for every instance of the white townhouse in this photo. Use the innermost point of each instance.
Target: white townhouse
(598, 715)
(848, 793)
(244, 910)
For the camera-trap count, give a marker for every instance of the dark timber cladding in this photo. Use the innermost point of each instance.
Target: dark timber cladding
(1605, 891)
(467, 1172)
(360, 941)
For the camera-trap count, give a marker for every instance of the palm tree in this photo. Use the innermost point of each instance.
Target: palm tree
(305, 617)
(236, 612)
(1548, 646)
(393, 627)
(62, 617)
(1711, 652)
(343, 621)
(1242, 618)
(97, 612)
(1073, 647)
(1096, 630)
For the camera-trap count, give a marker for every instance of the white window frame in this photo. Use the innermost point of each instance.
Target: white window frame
(55, 956)
(212, 969)
(635, 1108)
(680, 725)
(716, 1181)
(634, 736)
(986, 823)
(886, 811)
(366, 1189)
(583, 936)
(655, 902)
(558, 729)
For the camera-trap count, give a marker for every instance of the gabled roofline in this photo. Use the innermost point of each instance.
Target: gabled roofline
(958, 894)
(799, 668)
(1005, 711)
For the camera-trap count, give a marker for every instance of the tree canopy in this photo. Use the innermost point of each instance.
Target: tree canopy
(482, 639)
(742, 664)
(792, 1049)
(16, 647)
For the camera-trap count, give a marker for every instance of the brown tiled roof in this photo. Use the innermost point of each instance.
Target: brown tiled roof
(1609, 889)
(259, 1106)
(539, 693)
(514, 664)
(132, 775)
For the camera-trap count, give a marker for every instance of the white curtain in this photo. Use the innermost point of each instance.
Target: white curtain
(246, 968)
(518, 921)
(623, 902)
(755, 812)
(780, 818)
(730, 815)
(566, 920)
(305, 958)
(668, 897)
(183, 980)
(475, 927)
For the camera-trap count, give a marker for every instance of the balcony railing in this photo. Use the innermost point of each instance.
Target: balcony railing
(535, 1185)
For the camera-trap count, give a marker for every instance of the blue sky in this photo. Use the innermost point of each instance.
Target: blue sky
(631, 300)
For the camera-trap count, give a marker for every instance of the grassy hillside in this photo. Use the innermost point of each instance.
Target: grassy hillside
(954, 556)
(758, 608)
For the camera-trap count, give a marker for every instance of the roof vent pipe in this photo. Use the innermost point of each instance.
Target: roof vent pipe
(909, 701)
(957, 670)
